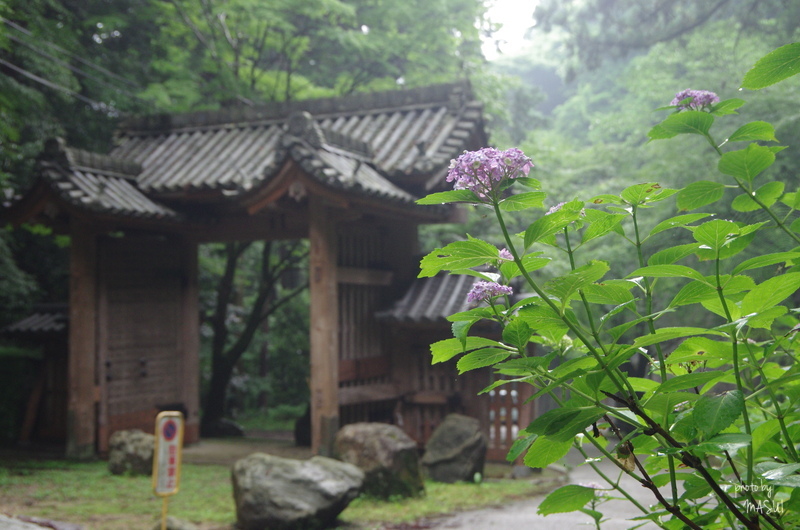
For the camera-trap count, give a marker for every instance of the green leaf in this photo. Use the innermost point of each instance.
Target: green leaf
(551, 223)
(523, 201)
(768, 194)
(445, 197)
(757, 130)
(544, 321)
(639, 193)
(698, 194)
(481, 358)
(614, 292)
(687, 122)
(692, 293)
(665, 334)
(545, 451)
(764, 432)
(667, 271)
(727, 106)
(517, 333)
(444, 350)
(458, 255)
(460, 330)
(776, 66)
(712, 414)
(746, 163)
(531, 262)
(600, 223)
(567, 498)
(716, 234)
(723, 442)
(766, 260)
(528, 182)
(670, 255)
(770, 293)
(520, 446)
(563, 287)
(677, 221)
(682, 382)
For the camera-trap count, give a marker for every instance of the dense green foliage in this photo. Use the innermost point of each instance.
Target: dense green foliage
(711, 427)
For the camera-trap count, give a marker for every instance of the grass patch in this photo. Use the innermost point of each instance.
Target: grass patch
(441, 499)
(86, 493)
(280, 418)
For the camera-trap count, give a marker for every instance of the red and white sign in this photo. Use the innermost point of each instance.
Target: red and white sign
(167, 456)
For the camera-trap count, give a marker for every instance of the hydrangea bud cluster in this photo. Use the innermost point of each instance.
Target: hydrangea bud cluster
(700, 99)
(483, 170)
(506, 254)
(483, 291)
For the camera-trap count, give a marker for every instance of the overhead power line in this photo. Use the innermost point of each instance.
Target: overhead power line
(78, 58)
(41, 80)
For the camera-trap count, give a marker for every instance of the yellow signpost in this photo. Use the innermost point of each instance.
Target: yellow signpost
(167, 458)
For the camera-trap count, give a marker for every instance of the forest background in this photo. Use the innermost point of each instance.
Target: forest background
(578, 98)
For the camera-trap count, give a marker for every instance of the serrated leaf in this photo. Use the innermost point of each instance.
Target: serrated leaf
(770, 292)
(446, 349)
(545, 451)
(517, 333)
(670, 255)
(687, 122)
(682, 382)
(746, 163)
(458, 255)
(551, 223)
(723, 442)
(712, 414)
(481, 358)
(757, 130)
(639, 193)
(667, 271)
(445, 197)
(600, 223)
(665, 334)
(523, 201)
(569, 498)
(677, 221)
(698, 194)
(692, 293)
(530, 262)
(615, 292)
(544, 321)
(716, 234)
(520, 446)
(563, 287)
(768, 194)
(727, 106)
(776, 66)
(766, 260)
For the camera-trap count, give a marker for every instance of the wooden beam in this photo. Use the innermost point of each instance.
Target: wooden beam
(324, 328)
(361, 276)
(190, 342)
(368, 393)
(81, 426)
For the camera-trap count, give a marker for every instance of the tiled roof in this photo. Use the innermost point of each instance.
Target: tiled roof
(99, 183)
(401, 134)
(391, 146)
(430, 300)
(43, 320)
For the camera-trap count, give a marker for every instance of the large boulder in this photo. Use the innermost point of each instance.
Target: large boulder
(386, 454)
(131, 452)
(283, 494)
(456, 450)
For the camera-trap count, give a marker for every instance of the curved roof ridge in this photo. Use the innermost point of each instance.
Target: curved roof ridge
(455, 95)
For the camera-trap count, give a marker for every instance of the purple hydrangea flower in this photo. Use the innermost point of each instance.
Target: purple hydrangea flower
(481, 171)
(506, 254)
(700, 99)
(484, 291)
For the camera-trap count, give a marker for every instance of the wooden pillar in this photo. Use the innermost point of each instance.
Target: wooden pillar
(81, 368)
(324, 328)
(190, 342)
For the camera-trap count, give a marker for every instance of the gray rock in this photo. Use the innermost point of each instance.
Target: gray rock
(131, 452)
(281, 494)
(386, 454)
(456, 450)
(173, 523)
(11, 523)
